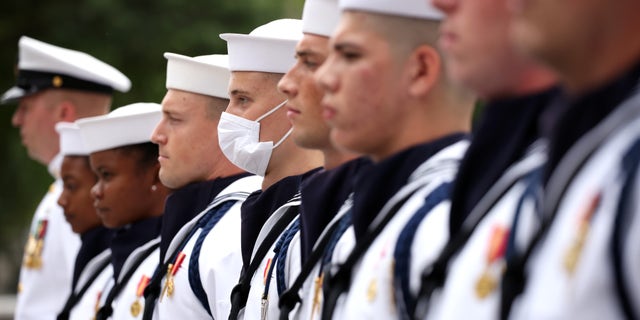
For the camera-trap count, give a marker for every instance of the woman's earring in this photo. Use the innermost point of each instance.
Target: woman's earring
(154, 188)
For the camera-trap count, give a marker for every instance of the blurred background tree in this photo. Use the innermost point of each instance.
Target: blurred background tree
(130, 35)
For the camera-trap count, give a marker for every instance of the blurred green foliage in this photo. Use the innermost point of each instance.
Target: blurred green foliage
(130, 35)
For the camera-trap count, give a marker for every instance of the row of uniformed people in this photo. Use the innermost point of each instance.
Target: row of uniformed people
(385, 250)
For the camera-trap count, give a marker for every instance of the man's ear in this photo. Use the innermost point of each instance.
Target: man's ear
(425, 68)
(67, 111)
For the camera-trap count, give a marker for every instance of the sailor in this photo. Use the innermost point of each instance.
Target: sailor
(500, 166)
(129, 198)
(324, 195)
(253, 133)
(386, 97)
(92, 268)
(583, 264)
(200, 257)
(53, 84)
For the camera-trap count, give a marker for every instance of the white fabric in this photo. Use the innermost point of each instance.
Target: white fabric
(219, 265)
(207, 75)
(43, 292)
(470, 263)
(371, 294)
(408, 8)
(239, 140)
(71, 143)
(86, 306)
(589, 292)
(320, 17)
(253, 308)
(310, 308)
(122, 304)
(35, 55)
(268, 48)
(127, 125)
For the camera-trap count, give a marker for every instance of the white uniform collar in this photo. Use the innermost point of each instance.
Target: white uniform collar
(54, 166)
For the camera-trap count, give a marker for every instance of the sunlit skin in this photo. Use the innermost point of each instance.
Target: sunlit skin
(75, 199)
(123, 193)
(187, 138)
(587, 42)
(253, 94)
(472, 26)
(304, 95)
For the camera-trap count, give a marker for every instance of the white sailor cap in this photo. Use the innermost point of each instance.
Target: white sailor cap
(71, 143)
(207, 75)
(127, 125)
(420, 9)
(320, 17)
(43, 66)
(268, 48)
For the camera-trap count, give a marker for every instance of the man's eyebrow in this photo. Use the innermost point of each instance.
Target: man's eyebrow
(236, 92)
(305, 53)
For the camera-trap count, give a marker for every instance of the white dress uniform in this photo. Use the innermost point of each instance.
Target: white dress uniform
(47, 266)
(571, 271)
(220, 260)
(371, 293)
(310, 306)
(129, 304)
(87, 306)
(474, 272)
(257, 307)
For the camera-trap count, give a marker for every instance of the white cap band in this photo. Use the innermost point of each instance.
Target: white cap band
(207, 75)
(127, 125)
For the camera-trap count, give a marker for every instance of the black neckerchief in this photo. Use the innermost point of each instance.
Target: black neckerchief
(94, 242)
(186, 203)
(505, 130)
(322, 196)
(129, 238)
(377, 183)
(260, 205)
(585, 112)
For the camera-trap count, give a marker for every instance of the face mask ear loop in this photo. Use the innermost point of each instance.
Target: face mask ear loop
(271, 111)
(286, 135)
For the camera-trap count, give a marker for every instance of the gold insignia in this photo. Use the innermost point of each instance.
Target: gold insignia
(485, 285)
(136, 308)
(574, 252)
(372, 290)
(316, 294)
(57, 81)
(19, 287)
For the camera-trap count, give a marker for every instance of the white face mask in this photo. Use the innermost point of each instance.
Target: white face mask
(239, 140)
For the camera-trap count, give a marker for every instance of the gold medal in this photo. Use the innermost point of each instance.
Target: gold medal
(166, 282)
(372, 290)
(485, 285)
(487, 282)
(36, 263)
(573, 254)
(169, 285)
(136, 308)
(316, 294)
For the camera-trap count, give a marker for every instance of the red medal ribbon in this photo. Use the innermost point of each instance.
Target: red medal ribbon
(142, 284)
